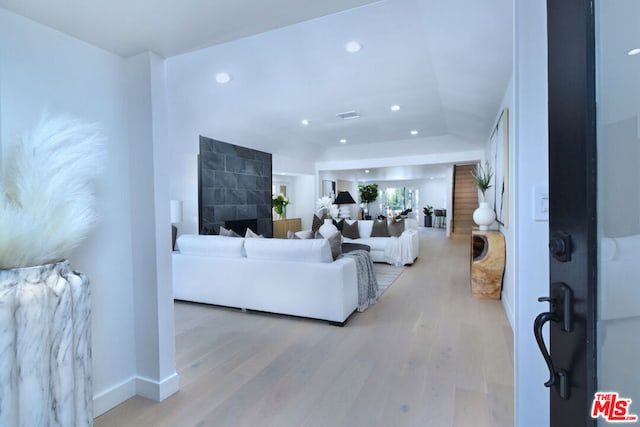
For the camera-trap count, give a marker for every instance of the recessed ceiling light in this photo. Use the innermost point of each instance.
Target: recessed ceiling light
(414, 132)
(395, 108)
(343, 141)
(366, 171)
(633, 52)
(223, 77)
(352, 47)
(305, 122)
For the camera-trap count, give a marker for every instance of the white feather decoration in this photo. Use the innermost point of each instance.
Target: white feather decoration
(46, 195)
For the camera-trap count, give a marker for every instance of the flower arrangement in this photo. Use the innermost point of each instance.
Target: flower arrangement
(483, 177)
(279, 203)
(325, 204)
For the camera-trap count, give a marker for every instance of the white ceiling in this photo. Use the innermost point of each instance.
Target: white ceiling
(169, 27)
(446, 63)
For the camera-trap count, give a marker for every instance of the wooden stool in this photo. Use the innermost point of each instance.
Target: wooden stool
(487, 263)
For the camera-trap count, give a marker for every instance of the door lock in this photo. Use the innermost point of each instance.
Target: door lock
(560, 246)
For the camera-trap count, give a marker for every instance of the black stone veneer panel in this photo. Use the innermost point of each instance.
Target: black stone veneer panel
(247, 212)
(235, 196)
(234, 184)
(212, 161)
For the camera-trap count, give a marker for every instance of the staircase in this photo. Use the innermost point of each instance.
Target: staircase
(465, 199)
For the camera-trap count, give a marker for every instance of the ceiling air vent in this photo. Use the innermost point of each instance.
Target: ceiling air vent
(348, 115)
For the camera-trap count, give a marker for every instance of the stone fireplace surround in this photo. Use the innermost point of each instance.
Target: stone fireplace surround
(234, 184)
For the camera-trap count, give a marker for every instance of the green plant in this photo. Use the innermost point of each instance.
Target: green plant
(279, 203)
(368, 193)
(428, 210)
(483, 177)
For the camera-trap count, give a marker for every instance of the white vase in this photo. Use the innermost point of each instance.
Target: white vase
(328, 229)
(484, 216)
(45, 347)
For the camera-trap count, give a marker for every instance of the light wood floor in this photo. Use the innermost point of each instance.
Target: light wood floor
(427, 354)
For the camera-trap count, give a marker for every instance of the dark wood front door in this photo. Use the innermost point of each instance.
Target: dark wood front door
(570, 309)
(593, 306)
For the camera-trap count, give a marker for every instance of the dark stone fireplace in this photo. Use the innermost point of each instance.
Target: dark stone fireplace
(234, 185)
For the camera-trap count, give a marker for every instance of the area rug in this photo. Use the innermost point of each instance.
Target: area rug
(386, 274)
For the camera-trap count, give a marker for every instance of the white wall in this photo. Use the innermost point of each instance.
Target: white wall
(530, 264)
(156, 376)
(301, 194)
(433, 192)
(43, 69)
(508, 291)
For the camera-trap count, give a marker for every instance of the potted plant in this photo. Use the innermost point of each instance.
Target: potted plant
(484, 216)
(428, 219)
(368, 194)
(483, 177)
(279, 204)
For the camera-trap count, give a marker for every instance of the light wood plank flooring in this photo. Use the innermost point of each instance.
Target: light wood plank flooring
(427, 354)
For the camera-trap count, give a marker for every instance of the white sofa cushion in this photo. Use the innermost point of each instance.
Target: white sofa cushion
(195, 244)
(375, 243)
(307, 250)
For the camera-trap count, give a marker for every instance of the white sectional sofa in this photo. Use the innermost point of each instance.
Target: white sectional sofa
(391, 250)
(296, 277)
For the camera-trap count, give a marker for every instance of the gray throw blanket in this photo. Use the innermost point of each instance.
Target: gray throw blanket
(367, 284)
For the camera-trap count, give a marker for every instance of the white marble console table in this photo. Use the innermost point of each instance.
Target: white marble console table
(45, 354)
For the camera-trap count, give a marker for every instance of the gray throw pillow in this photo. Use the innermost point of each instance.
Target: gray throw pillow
(350, 230)
(336, 245)
(379, 228)
(335, 241)
(396, 227)
(316, 223)
(228, 233)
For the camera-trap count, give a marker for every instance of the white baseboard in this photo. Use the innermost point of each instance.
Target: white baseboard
(111, 398)
(510, 315)
(157, 390)
(145, 387)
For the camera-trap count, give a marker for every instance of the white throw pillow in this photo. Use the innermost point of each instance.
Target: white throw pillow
(305, 234)
(228, 233)
(250, 233)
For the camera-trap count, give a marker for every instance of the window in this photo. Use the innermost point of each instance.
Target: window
(400, 199)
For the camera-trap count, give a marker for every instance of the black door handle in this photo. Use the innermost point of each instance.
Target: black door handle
(560, 310)
(541, 319)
